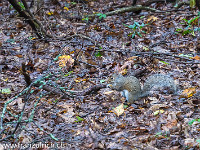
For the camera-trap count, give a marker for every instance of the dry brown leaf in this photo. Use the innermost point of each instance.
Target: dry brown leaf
(127, 64)
(92, 62)
(122, 126)
(152, 18)
(108, 92)
(133, 57)
(188, 92)
(119, 110)
(170, 124)
(158, 106)
(123, 72)
(65, 60)
(196, 57)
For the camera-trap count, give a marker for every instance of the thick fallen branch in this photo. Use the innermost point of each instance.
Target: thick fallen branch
(131, 9)
(128, 9)
(137, 8)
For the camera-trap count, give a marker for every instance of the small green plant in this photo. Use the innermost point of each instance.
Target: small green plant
(21, 5)
(158, 134)
(73, 3)
(164, 62)
(137, 29)
(66, 75)
(100, 15)
(189, 29)
(5, 91)
(164, 134)
(86, 19)
(56, 59)
(193, 120)
(186, 55)
(79, 119)
(98, 54)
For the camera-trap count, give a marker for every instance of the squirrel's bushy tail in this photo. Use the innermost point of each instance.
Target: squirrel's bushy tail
(158, 81)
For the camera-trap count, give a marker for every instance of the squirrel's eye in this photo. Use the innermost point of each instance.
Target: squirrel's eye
(109, 86)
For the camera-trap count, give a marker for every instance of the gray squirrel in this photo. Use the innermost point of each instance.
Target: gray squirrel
(131, 89)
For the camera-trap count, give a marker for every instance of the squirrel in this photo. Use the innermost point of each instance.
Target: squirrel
(131, 89)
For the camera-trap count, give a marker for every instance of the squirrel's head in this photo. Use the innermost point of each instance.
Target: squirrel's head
(115, 82)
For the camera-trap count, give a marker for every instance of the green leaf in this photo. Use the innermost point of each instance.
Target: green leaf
(86, 19)
(137, 24)
(145, 48)
(185, 20)
(125, 25)
(41, 86)
(132, 26)
(6, 91)
(53, 137)
(191, 122)
(156, 112)
(188, 27)
(79, 119)
(193, 34)
(62, 88)
(98, 54)
(192, 20)
(73, 3)
(164, 62)
(142, 17)
(68, 73)
(186, 55)
(176, 5)
(102, 81)
(21, 5)
(179, 29)
(133, 35)
(142, 24)
(104, 16)
(55, 100)
(186, 32)
(55, 59)
(32, 91)
(138, 33)
(125, 106)
(158, 133)
(100, 15)
(197, 29)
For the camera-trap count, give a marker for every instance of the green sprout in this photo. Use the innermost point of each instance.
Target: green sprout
(79, 119)
(100, 15)
(137, 29)
(189, 29)
(192, 121)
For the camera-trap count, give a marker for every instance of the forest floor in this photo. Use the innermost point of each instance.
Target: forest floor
(62, 109)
